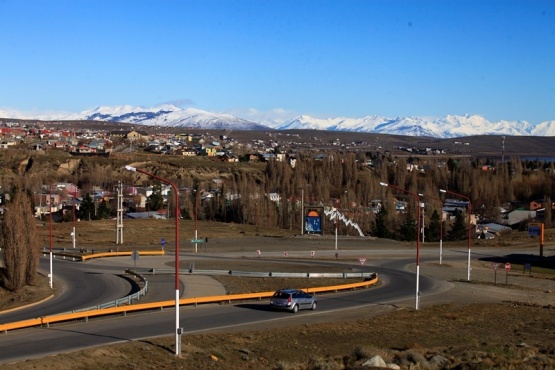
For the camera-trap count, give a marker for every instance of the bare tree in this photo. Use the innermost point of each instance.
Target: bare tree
(19, 243)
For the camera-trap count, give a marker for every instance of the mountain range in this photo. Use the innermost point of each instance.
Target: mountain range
(171, 116)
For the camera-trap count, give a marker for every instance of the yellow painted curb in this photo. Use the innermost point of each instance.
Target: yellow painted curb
(27, 305)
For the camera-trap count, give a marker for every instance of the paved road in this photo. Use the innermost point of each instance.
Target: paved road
(65, 337)
(78, 286)
(396, 269)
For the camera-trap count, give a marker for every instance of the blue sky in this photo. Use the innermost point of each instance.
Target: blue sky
(349, 58)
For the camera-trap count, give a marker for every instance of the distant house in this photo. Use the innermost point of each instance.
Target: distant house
(540, 203)
(518, 216)
(136, 135)
(186, 152)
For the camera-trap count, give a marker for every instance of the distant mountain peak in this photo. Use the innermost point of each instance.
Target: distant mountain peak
(168, 115)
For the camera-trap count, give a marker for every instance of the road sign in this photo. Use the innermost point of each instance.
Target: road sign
(312, 253)
(507, 266)
(197, 241)
(163, 241)
(495, 265)
(258, 252)
(535, 229)
(362, 260)
(135, 255)
(285, 254)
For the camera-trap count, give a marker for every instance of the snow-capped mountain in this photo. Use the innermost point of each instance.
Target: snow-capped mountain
(444, 127)
(172, 116)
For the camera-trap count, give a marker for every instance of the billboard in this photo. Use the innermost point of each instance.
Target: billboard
(313, 221)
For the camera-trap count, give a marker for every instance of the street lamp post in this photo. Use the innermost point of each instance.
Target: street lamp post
(417, 299)
(178, 330)
(73, 235)
(302, 211)
(423, 223)
(51, 275)
(469, 220)
(196, 219)
(440, 227)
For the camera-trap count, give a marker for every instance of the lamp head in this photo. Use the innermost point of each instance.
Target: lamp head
(442, 191)
(384, 184)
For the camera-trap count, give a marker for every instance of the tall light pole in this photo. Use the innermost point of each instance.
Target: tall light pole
(302, 211)
(196, 219)
(177, 328)
(73, 235)
(440, 227)
(51, 275)
(469, 220)
(336, 222)
(422, 226)
(417, 300)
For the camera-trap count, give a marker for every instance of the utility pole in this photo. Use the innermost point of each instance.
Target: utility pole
(119, 215)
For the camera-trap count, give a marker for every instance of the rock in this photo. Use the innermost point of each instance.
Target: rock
(439, 360)
(376, 361)
(393, 366)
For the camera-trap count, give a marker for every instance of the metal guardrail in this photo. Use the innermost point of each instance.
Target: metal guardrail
(83, 257)
(309, 275)
(122, 301)
(47, 320)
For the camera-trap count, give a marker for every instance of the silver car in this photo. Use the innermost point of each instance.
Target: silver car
(293, 300)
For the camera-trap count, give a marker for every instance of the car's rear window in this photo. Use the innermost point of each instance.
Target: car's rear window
(281, 295)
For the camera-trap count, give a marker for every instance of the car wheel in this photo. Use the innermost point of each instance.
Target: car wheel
(295, 308)
(313, 306)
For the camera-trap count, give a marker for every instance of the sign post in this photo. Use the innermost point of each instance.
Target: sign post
(537, 229)
(495, 266)
(197, 241)
(362, 261)
(135, 257)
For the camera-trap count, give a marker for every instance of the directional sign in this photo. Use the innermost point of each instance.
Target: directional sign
(163, 241)
(197, 241)
(362, 260)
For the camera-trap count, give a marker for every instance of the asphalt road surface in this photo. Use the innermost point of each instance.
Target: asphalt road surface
(84, 283)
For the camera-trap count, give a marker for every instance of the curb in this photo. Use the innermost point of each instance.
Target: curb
(27, 305)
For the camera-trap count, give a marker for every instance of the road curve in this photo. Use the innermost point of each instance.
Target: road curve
(66, 337)
(397, 284)
(78, 285)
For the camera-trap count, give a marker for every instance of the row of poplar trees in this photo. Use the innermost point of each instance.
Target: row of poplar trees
(349, 182)
(19, 244)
